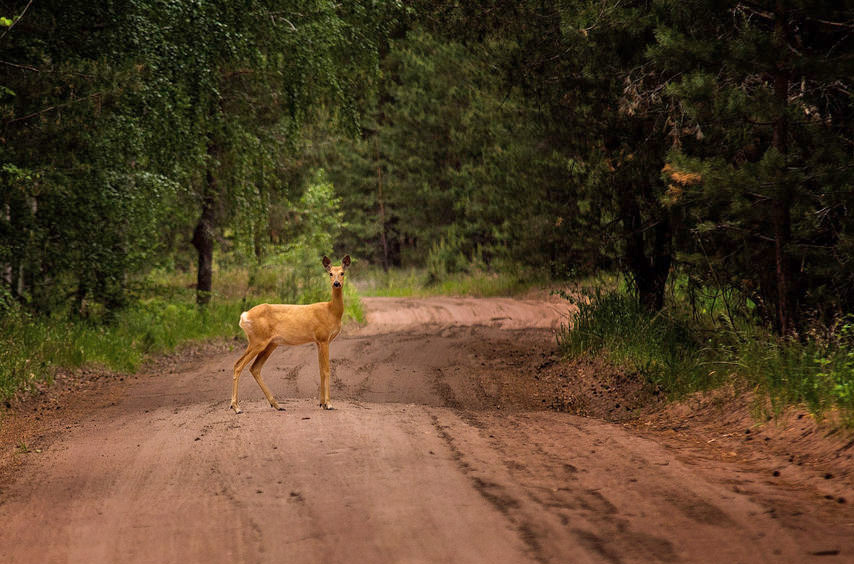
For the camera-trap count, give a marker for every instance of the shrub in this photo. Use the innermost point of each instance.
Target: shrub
(679, 355)
(658, 347)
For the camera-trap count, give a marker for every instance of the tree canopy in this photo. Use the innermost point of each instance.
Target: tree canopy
(705, 140)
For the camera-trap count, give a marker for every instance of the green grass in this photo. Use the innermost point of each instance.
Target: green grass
(659, 348)
(412, 282)
(818, 373)
(680, 354)
(32, 349)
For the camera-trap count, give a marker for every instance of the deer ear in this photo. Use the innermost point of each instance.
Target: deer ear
(346, 262)
(326, 262)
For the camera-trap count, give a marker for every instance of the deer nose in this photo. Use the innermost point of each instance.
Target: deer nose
(336, 284)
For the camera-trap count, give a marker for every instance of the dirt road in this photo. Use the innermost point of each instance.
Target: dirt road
(439, 450)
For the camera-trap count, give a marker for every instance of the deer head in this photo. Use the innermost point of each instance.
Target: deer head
(336, 273)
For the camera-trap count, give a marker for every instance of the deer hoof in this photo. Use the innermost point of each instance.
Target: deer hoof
(327, 406)
(277, 407)
(236, 408)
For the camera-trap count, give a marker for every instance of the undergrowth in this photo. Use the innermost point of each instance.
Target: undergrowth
(679, 354)
(659, 348)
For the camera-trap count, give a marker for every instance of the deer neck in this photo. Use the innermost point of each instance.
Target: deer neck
(336, 306)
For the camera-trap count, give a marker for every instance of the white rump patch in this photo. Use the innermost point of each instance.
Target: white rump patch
(244, 320)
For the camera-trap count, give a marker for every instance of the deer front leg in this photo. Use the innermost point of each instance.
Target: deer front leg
(323, 361)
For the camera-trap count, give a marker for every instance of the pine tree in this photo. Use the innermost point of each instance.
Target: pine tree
(761, 166)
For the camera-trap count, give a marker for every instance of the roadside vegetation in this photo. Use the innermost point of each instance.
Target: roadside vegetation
(162, 309)
(164, 165)
(690, 346)
(420, 282)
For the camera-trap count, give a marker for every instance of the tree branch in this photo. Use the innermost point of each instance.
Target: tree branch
(56, 107)
(8, 29)
(846, 25)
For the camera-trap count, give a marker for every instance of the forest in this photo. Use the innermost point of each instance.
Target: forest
(680, 170)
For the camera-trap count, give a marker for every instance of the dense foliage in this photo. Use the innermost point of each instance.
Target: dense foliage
(132, 128)
(760, 168)
(709, 139)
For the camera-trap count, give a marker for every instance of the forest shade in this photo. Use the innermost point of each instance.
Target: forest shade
(710, 139)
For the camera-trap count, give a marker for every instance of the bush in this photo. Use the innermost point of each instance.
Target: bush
(817, 372)
(657, 347)
(678, 354)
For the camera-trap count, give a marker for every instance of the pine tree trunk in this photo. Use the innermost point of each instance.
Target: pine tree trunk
(782, 202)
(662, 256)
(381, 201)
(8, 270)
(203, 242)
(649, 273)
(786, 316)
(203, 239)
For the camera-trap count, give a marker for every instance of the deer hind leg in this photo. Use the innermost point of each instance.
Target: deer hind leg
(323, 361)
(251, 352)
(255, 369)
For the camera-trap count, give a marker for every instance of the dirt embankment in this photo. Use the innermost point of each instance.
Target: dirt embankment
(459, 436)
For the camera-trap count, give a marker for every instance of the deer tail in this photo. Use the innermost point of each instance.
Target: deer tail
(245, 322)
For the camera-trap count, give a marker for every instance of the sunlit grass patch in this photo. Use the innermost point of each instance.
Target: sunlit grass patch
(417, 282)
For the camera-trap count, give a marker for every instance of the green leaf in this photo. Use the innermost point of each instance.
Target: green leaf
(4, 21)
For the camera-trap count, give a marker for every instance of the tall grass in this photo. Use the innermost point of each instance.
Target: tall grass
(816, 372)
(415, 282)
(679, 354)
(658, 347)
(32, 348)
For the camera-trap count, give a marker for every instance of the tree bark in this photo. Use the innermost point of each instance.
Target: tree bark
(781, 203)
(649, 273)
(203, 242)
(203, 234)
(380, 199)
(786, 312)
(8, 269)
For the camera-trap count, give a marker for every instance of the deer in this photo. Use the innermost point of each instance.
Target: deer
(269, 325)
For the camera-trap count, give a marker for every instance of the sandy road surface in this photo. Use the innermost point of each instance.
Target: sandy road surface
(426, 458)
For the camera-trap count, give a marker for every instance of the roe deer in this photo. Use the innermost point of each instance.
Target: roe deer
(269, 325)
